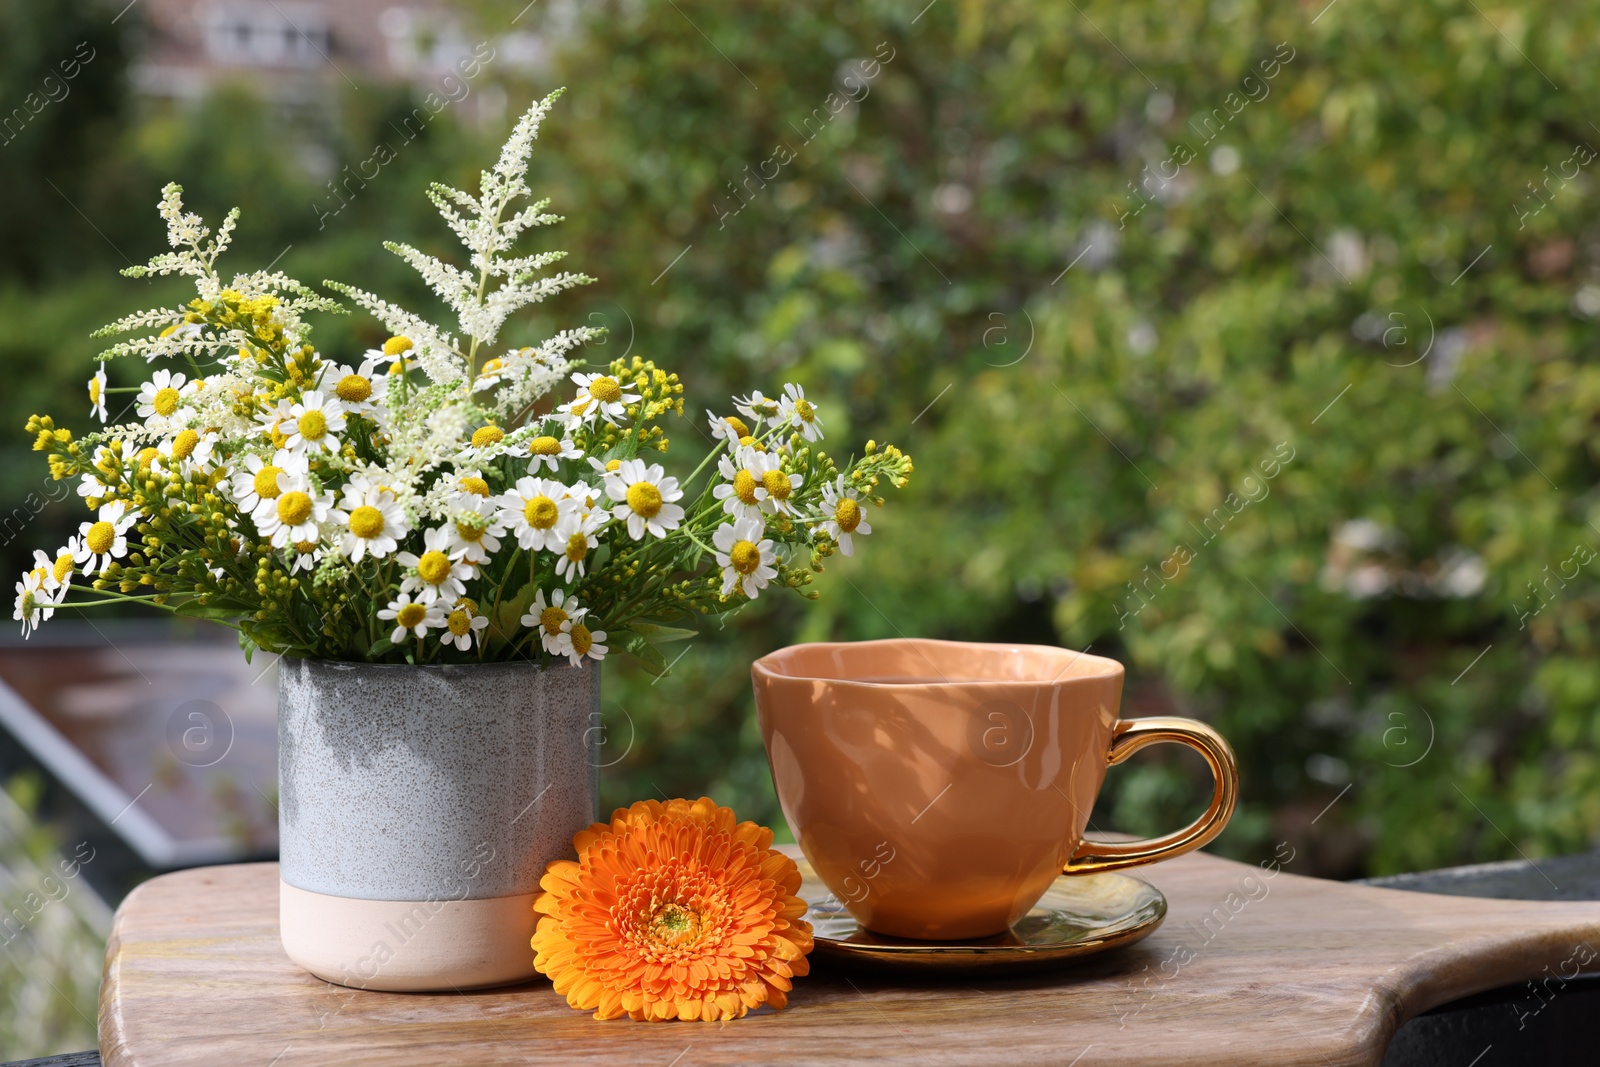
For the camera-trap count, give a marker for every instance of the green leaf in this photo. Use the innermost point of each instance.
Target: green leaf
(662, 635)
(649, 657)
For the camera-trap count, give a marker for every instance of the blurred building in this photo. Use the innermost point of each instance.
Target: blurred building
(301, 53)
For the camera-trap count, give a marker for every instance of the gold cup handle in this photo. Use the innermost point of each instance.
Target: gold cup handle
(1128, 737)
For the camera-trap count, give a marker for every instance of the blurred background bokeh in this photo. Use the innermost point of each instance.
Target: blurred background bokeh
(1249, 343)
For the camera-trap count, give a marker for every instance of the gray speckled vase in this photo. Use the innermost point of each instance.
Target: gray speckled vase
(418, 807)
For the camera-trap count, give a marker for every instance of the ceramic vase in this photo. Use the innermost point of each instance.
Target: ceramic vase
(418, 807)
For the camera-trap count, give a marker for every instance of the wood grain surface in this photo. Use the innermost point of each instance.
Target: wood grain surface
(1247, 969)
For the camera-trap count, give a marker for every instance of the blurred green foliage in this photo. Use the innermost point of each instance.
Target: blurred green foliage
(1243, 343)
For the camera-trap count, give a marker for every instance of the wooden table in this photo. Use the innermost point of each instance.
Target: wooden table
(1246, 970)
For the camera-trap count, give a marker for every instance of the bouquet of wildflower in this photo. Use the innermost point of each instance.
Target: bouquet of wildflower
(431, 502)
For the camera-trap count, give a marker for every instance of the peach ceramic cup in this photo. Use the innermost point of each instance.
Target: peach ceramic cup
(939, 787)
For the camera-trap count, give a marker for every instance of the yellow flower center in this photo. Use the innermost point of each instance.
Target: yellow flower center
(165, 402)
(279, 438)
(146, 455)
(183, 444)
(459, 622)
(305, 548)
(475, 486)
(433, 567)
(313, 425)
(410, 615)
(577, 547)
(606, 390)
(266, 483)
(396, 345)
(582, 640)
(541, 512)
(740, 430)
(490, 368)
(545, 446)
(366, 522)
(294, 508)
(673, 925)
(745, 556)
(744, 486)
(803, 408)
(94, 390)
(468, 532)
(63, 566)
(100, 538)
(644, 499)
(353, 389)
(551, 619)
(397, 368)
(484, 436)
(38, 574)
(777, 484)
(612, 465)
(847, 514)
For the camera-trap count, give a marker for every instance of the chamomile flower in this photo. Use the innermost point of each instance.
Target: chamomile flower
(158, 400)
(744, 489)
(61, 568)
(438, 575)
(106, 538)
(315, 423)
(598, 394)
(293, 515)
(576, 532)
(490, 375)
(577, 641)
(97, 393)
(531, 509)
(275, 422)
(756, 408)
(777, 487)
(842, 505)
(373, 520)
(356, 388)
(462, 625)
(412, 617)
(305, 556)
(35, 603)
(474, 533)
(795, 408)
(261, 479)
(729, 428)
(552, 450)
(644, 497)
(746, 558)
(187, 450)
(552, 616)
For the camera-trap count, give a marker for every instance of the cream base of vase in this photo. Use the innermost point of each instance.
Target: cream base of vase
(408, 946)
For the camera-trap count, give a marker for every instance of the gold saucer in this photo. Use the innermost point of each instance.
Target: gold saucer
(1080, 915)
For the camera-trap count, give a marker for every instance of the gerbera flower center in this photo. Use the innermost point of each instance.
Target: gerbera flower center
(459, 622)
(353, 389)
(183, 444)
(803, 408)
(433, 567)
(545, 446)
(313, 425)
(744, 486)
(644, 499)
(165, 401)
(582, 640)
(366, 522)
(673, 925)
(294, 508)
(411, 614)
(266, 483)
(100, 537)
(484, 436)
(468, 532)
(777, 485)
(577, 547)
(551, 619)
(541, 512)
(606, 390)
(847, 513)
(474, 485)
(745, 556)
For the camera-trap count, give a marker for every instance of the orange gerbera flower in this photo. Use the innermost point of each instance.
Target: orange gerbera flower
(672, 911)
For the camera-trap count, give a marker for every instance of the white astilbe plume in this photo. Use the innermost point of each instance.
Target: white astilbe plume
(494, 284)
